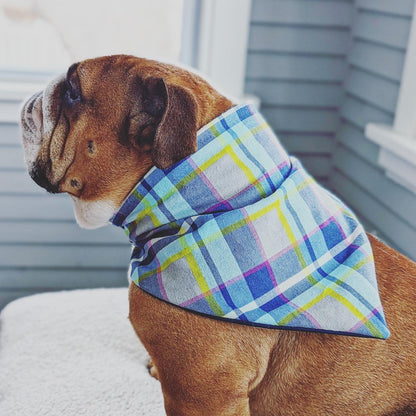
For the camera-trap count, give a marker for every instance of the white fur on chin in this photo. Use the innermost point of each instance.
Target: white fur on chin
(93, 214)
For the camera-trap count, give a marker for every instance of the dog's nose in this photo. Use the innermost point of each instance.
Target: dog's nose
(38, 174)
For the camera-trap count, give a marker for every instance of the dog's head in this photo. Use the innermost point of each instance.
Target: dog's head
(96, 130)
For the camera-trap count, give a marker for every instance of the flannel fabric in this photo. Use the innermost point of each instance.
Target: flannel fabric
(240, 231)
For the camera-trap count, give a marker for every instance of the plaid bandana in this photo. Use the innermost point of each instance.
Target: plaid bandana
(240, 231)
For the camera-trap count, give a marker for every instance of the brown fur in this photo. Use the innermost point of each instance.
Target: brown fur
(210, 367)
(236, 369)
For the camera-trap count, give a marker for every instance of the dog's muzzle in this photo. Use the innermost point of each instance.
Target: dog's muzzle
(31, 119)
(31, 126)
(38, 119)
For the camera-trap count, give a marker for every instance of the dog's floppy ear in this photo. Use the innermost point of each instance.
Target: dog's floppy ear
(175, 136)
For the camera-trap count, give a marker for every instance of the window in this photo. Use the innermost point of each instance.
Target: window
(40, 38)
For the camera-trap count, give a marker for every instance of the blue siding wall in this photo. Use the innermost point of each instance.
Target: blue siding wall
(41, 247)
(380, 33)
(296, 64)
(323, 70)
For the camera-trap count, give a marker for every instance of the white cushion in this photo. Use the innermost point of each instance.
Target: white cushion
(74, 353)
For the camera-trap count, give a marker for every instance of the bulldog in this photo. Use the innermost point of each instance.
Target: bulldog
(117, 134)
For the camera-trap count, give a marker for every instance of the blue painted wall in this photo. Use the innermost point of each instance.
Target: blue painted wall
(297, 64)
(379, 39)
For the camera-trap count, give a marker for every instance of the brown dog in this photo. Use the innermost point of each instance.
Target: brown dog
(94, 133)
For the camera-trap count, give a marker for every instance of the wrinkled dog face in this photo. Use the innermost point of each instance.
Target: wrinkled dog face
(95, 131)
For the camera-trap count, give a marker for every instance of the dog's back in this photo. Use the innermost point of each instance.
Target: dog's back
(375, 377)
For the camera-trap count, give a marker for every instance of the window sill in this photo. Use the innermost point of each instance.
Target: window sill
(397, 154)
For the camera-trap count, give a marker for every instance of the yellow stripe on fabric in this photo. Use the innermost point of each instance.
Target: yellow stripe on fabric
(221, 233)
(330, 292)
(192, 175)
(247, 172)
(148, 207)
(193, 247)
(199, 277)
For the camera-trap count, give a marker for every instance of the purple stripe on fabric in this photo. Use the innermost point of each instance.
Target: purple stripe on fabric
(269, 269)
(359, 324)
(210, 186)
(279, 293)
(254, 269)
(265, 176)
(216, 289)
(303, 239)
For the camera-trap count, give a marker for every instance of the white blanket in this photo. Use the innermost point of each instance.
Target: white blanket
(74, 353)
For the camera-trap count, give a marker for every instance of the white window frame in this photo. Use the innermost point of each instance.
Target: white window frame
(217, 38)
(398, 142)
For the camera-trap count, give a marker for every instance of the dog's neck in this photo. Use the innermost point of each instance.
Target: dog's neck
(191, 177)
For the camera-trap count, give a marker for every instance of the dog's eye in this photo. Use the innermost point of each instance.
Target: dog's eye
(74, 95)
(72, 85)
(72, 92)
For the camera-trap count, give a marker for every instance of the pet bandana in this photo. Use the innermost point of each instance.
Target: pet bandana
(240, 231)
